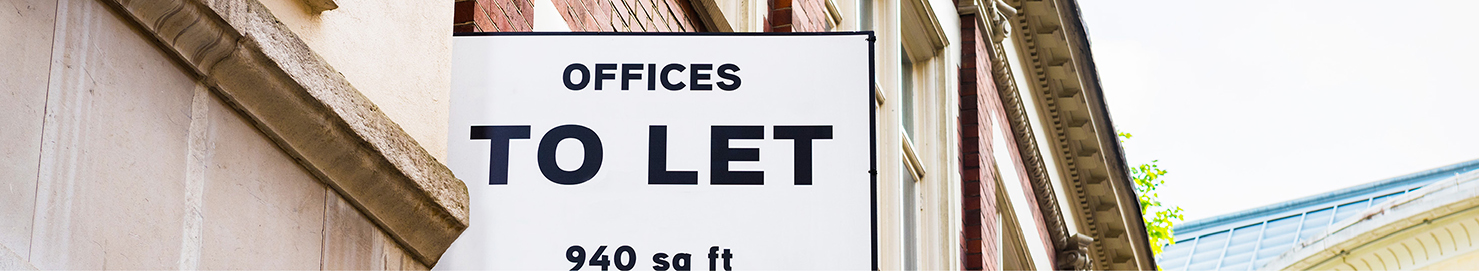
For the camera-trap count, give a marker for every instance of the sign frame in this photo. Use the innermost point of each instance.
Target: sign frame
(871, 92)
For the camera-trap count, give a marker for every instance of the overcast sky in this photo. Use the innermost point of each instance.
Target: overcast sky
(1249, 103)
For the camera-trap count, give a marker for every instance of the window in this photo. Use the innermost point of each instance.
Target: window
(920, 125)
(913, 171)
(911, 217)
(906, 92)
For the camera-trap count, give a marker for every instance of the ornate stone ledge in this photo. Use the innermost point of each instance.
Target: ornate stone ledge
(313, 113)
(1082, 137)
(994, 14)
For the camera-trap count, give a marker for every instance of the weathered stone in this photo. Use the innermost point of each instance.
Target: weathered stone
(114, 148)
(10, 261)
(261, 209)
(27, 55)
(351, 241)
(408, 77)
(313, 113)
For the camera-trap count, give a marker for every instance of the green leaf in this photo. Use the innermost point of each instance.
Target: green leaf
(1160, 219)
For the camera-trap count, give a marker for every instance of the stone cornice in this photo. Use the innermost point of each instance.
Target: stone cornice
(1085, 145)
(1017, 116)
(269, 75)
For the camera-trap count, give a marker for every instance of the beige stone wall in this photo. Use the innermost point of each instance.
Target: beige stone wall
(397, 53)
(117, 158)
(28, 28)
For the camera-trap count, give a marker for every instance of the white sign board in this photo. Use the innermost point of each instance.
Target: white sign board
(602, 151)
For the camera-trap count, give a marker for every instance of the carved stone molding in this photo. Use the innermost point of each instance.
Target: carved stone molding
(1036, 63)
(1017, 115)
(176, 24)
(1075, 254)
(1037, 170)
(312, 112)
(992, 15)
(1065, 87)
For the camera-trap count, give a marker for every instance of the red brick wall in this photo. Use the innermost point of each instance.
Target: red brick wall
(798, 16)
(493, 16)
(580, 15)
(630, 15)
(977, 100)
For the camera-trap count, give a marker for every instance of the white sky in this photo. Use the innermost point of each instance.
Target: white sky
(1249, 103)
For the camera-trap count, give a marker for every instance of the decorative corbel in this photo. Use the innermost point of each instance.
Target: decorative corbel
(992, 14)
(1001, 13)
(1075, 254)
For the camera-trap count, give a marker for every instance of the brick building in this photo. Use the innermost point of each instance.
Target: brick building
(993, 121)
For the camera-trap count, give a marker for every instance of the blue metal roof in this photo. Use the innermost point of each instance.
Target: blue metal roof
(1248, 239)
